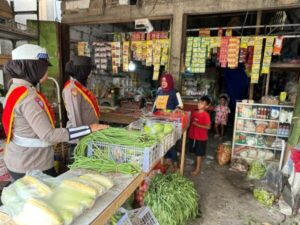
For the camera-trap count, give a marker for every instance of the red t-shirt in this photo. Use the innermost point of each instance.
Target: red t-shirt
(197, 133)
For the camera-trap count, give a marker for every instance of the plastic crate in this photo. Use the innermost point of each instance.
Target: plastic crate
(124, 220)
(167, 142)
(145, 157)
(140, 216)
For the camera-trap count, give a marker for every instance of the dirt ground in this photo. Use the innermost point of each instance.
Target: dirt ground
(226, 197)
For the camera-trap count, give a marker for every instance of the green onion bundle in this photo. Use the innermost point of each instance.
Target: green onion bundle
(172, 198)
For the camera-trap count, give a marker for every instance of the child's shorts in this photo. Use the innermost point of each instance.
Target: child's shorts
(197, 147)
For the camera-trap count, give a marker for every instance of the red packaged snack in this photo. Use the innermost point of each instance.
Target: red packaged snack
(278, 45)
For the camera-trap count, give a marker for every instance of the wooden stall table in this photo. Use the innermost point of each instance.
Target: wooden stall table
(120, 116)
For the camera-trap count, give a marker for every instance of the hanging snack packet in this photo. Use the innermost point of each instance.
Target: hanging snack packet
(278, 45)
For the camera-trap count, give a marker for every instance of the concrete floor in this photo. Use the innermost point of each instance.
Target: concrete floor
(226, 197)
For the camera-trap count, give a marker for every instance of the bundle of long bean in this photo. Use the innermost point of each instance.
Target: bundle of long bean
(104, 165)
(119, 136)
(172, 198)
(100, 160)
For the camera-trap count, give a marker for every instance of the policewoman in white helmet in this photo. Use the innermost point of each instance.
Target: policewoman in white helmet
(81, 104)
(28, 120)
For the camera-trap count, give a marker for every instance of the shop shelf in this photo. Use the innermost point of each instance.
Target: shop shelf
(274, 160)
(145, 157)
(265, 134)
(247, 115)
(267, 105)
(261, 147)
(248, 118)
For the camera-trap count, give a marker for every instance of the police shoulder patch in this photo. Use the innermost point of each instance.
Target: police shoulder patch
(74, 91)
(39, 102)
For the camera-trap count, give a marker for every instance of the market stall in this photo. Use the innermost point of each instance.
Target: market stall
(243, 56)
(127, 65)
(224, 50)
(125, 164)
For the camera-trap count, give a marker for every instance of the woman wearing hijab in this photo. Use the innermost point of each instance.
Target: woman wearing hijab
(168, 99)
(81, 105)
(28, 119)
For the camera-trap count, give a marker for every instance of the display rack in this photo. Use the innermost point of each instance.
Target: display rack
(261, 131)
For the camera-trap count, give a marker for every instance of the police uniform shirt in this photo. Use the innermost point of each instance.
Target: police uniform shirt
(79, 110)
(31, 121)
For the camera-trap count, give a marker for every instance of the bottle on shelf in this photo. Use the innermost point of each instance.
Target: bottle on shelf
(265, 113)
(254, 112)
(258, 112)
(240, 111)
(287, 128)
(268, 113)
(279, 131)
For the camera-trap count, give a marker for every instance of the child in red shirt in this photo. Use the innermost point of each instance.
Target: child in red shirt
(198, 133)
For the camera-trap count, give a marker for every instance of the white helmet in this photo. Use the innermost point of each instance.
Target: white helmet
(29, 52)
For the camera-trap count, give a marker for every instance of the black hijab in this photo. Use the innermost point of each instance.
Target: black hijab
(79, 68)
(30, 70)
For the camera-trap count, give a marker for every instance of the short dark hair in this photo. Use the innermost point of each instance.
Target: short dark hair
(205, 99)
(224, 97)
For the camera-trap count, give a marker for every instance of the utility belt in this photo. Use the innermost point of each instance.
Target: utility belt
(30, 142)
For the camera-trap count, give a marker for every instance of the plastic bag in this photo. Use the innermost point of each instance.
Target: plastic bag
(257, 170)
(52, 182)
(37, 212)
(224, 153)
(273, 180)
(15, 196)
(264, 197)
(60, 203)
(73, 203)
(30, 187)
(11, 201)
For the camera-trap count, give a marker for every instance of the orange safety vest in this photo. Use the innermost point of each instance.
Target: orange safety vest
(14, 97)
(87, 95)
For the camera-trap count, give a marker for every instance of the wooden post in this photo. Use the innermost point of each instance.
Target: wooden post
(295, 131)
(267, 84)
(183, 151)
